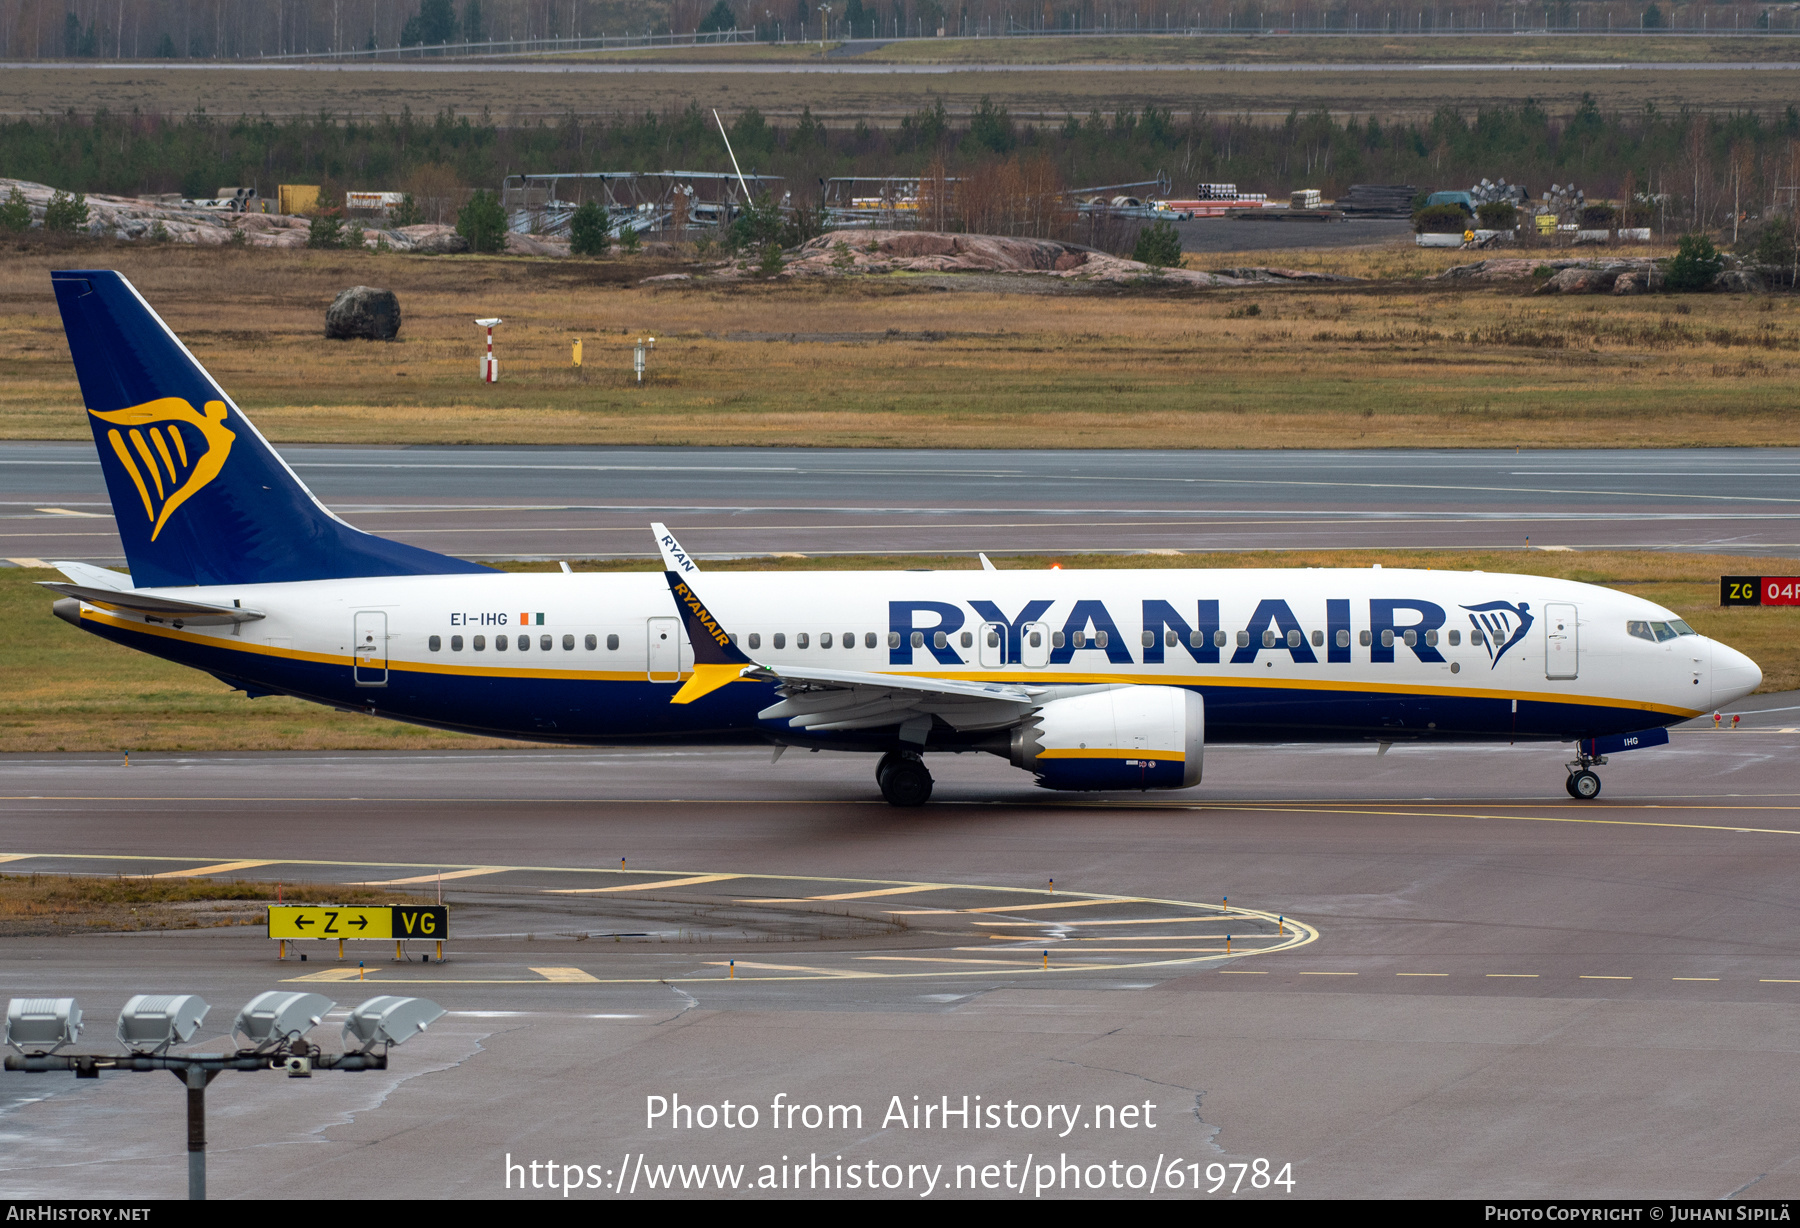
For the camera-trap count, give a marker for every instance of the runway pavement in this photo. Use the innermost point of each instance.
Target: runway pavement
(497, 503)
(1475, 986)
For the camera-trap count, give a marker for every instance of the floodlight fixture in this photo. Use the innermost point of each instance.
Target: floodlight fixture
(390, 1021)
(47, 1024)
(150, 1023)
(275, 1017)
(490, 322)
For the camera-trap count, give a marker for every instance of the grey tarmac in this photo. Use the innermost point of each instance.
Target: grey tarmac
(1509, 993)
(504, 503)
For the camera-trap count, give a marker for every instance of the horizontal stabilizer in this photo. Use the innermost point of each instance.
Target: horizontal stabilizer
(157, 609)
(94, 577)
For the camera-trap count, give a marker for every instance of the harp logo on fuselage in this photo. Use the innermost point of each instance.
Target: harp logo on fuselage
(170, 451)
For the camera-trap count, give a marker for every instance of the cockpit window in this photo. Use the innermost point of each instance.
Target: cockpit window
(1663, 631)
(1682, 628)
(1641, 630)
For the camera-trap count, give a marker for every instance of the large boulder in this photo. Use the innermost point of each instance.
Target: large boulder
(363, 311)
(1739, 281)
(1581, 281)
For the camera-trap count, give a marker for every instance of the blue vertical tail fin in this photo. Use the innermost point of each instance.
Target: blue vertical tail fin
(199, 495)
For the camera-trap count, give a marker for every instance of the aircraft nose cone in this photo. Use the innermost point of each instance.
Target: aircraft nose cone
(1734, 675)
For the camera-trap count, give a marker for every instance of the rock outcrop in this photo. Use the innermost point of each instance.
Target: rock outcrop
(363, 312)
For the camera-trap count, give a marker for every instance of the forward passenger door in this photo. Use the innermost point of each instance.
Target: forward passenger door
(1562, 642)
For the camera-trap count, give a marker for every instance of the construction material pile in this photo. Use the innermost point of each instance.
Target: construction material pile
(1377, 200)
(925, 251)
(1490, 190)
(132, 219)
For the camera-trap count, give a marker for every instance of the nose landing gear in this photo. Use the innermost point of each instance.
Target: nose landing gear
(903, 778)
(1583, 785)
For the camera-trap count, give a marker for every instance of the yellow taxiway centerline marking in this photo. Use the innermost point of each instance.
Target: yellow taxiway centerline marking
(929, 912)
(224, 867)
(1115, 950)
(1585, 977)
(332, 974)
(864, 895)
(432, 878)
(565, 975)
(5, 857)
(1330, 974)
(1776, 980)
(667, 882)
(1241, 972)
(1523, 976)
(1421, 974)
(819, 972)
(1005, 963)
(1693, 978)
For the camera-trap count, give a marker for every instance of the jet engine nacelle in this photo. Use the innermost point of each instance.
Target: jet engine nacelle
(1140, 737)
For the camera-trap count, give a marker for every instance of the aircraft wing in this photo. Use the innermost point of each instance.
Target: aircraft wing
(160, 609)
(835, 699)
(822, 700)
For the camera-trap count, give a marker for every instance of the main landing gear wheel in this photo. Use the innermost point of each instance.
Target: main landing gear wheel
(1583, 786)
(904, 779)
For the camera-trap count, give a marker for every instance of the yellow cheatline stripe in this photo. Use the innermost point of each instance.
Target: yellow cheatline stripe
(667, 882)
(224, 867)
(1172, 756)
(705, 680)
(1381, 688)
(565, 975)
(233, 644)
(1041, 677)
(431, 878)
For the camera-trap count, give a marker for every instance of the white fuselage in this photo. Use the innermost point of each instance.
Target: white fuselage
(1290, 655)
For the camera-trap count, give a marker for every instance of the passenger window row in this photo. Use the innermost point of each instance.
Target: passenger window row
(545, 643)
(803, 639)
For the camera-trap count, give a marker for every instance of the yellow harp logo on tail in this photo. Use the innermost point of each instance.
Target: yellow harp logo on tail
(170, 449)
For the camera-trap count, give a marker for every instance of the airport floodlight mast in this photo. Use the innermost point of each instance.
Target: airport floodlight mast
(274, 1024)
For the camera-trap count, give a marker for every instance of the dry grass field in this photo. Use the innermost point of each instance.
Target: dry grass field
(843, 90)
(1328, 49)
(903, 361)
(61, 689)
(43, 905)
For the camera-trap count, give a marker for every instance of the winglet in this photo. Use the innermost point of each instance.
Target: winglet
(673, 556)
(717, 660)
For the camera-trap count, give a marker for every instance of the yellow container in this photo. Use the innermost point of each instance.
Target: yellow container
(1546, 223)
(297, 198)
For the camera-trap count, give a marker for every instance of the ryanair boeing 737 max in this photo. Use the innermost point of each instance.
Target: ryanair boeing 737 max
(1087, 679)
